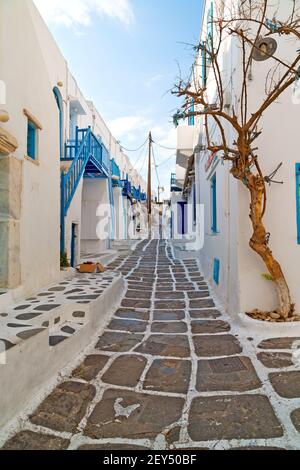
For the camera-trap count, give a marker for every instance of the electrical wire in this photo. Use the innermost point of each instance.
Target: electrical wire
(158, 180)
(134, 150)
(163, 146)
(142, 167)
(141, 154)
(165, 161)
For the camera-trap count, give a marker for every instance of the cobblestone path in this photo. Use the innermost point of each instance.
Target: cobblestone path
(171, 371)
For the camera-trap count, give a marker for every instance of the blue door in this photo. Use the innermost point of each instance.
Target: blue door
(182, 216)
(73, 245)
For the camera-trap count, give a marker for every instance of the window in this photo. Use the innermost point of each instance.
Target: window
(31, 140)
(203, 58)
(210, 30)
(216, 273)
(194, 204)
(191, 119)
(213, 189)
(298, 201)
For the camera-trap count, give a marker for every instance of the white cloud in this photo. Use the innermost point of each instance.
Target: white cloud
(152, 80)
(128, 126)
(80, 12)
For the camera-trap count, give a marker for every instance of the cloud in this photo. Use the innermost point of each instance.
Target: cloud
(75, 13)
(128, 126)
(151, 81)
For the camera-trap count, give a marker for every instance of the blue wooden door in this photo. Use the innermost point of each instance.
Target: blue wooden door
(73, 245)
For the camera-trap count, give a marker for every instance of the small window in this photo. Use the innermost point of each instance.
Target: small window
(216, 273)
(214, 221)
(31, 140)
(210, 31)
(191, 119)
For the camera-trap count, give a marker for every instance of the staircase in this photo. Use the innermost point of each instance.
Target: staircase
(87, 157)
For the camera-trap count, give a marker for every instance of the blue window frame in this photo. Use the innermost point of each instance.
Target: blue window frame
(298, 201)
(214, 218)
(216, 273)
(204, 59)
(210, 30)
(191, 119)
(194, 204)
(31, 140)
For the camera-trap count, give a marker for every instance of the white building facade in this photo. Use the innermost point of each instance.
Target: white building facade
(66, 186)
(237, 274)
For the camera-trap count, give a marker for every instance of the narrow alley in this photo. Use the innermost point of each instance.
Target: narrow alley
(169, 371)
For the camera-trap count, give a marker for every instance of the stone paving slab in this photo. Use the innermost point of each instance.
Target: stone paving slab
(233, 417)
(278, 343)
(168, 375)
(275, 360)
(111, 447)
(90, 367)
(125, 371)
(295, 417)
(219, 345)
(133, 314)
(132, 415)
(118, 342)
(160, 345)
(64, 408)
(169, 327)
(207, 326)
(228, 374)
(127, 325)
(167, 366)
(286, 384)
(29, 440)
(165, 315)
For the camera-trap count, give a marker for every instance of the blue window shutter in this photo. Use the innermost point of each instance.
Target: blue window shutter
(194, 204)
(214, 204)
(31, 140)
(216, 273)
(298, 201)
(191, 119)
(203, 64)
(210, 30)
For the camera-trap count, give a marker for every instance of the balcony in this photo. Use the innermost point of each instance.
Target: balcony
(174, 184)
(185, 145)
(126, 188)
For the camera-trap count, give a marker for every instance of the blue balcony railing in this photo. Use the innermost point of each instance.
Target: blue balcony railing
(174, 186)
(126, 188)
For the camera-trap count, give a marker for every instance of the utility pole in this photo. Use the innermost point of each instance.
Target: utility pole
(149, 192)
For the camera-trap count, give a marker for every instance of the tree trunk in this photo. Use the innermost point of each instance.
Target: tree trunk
(259, 243)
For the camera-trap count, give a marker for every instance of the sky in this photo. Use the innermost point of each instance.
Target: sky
(126, 56)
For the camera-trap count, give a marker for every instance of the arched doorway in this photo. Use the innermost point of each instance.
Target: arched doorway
(59, 102)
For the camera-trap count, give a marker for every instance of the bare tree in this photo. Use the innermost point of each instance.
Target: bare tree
(245, 25)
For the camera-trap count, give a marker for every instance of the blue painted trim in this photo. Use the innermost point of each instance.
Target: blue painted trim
(214, 217)
(191, 119)
(62, 213)
(298, 201)
(216, 273)
(31, 140)
(60, 105)
(73, 245)
(194, 204)
(210, 30)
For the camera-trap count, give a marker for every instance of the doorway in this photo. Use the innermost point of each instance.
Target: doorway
(74, 237)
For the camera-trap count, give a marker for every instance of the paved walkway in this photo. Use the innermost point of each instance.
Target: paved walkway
(170, 371)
